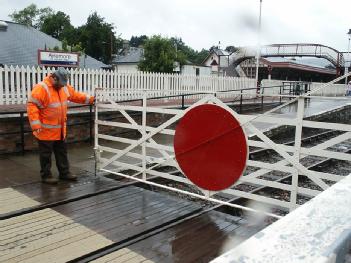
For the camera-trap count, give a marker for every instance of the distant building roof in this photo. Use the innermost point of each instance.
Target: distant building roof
(218, 52)
(314, 62)
(20, 43)
(131, 56)
(221, 52)
(307, 64)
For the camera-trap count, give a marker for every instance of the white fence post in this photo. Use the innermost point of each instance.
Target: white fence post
(2, 86)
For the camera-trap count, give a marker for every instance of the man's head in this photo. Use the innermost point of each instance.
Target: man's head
(60, 77)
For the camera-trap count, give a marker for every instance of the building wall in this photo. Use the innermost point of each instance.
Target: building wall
(78, 129)
(191, 70)
(126, 67)
(223, 60)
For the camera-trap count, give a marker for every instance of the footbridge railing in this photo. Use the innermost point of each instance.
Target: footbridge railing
(290, 50)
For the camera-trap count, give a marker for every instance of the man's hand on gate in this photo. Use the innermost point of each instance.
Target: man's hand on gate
(92, 100)
(37, 131)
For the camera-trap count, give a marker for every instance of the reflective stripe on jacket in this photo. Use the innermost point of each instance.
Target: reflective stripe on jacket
(47, 109)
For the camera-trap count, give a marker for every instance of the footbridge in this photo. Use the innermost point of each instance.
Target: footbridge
(335, 57)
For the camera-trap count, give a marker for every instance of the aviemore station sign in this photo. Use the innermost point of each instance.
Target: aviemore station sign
(58, 58)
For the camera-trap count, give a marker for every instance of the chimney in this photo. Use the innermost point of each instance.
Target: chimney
(125, 47)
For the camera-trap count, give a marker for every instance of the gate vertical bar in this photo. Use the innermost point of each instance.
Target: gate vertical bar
(2, 85)
(144, 134)
(298, 135)
(96, 132)
(22, 132)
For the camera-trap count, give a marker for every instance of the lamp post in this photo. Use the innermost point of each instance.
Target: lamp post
(258, 44)
(348, 56)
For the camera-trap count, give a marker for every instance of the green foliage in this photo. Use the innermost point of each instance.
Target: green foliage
(43, 14)
(65, 47)
(159, 55)
(58, 25)
(188, 53)
(95, 38)
(98, 39)
(136, 41)
(231, 49)
(201, 56)
(31, 15)
(26, 16)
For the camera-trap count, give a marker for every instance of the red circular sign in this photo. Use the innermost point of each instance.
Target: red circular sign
(210, 147)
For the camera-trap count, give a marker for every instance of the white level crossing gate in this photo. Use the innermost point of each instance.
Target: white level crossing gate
(143, 157)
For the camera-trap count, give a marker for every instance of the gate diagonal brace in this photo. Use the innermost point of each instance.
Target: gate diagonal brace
(289, 158)
(131, 120)
(322, 146)
(149, 135)
(270, 143)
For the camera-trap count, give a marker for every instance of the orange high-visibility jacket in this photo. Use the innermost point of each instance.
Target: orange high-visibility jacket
(47, 109)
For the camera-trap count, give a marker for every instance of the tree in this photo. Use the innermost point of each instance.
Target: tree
(43, 14)
(98, 38)
(159, 55)
(26, 16)
(58, 25)
(183, 50)
(136, 41)
(189, 53)
(31, 15)
(231, 49)
(201, 56)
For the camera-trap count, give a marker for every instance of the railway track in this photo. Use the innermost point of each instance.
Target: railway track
(316, 163)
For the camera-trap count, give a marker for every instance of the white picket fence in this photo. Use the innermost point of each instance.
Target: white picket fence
(16, 83)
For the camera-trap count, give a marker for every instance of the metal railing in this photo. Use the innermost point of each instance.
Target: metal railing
(179, 101)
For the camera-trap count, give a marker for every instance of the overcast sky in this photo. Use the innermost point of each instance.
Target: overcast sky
(203, 23)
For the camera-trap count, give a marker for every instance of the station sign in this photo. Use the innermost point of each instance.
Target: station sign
(58, 58)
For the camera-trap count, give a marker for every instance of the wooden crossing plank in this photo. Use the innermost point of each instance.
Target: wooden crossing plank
(197, 240)
(122, 255)
(74, 229)
(12, 200)
(135, 213)
(35, 194)
(63, 242)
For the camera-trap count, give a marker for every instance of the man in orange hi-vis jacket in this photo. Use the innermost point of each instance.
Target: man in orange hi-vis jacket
(47, 114)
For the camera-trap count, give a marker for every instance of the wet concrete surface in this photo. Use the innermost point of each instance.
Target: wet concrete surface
(312, 106)
(23, 169)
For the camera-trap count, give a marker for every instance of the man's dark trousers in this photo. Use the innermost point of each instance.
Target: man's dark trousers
(60, 150)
